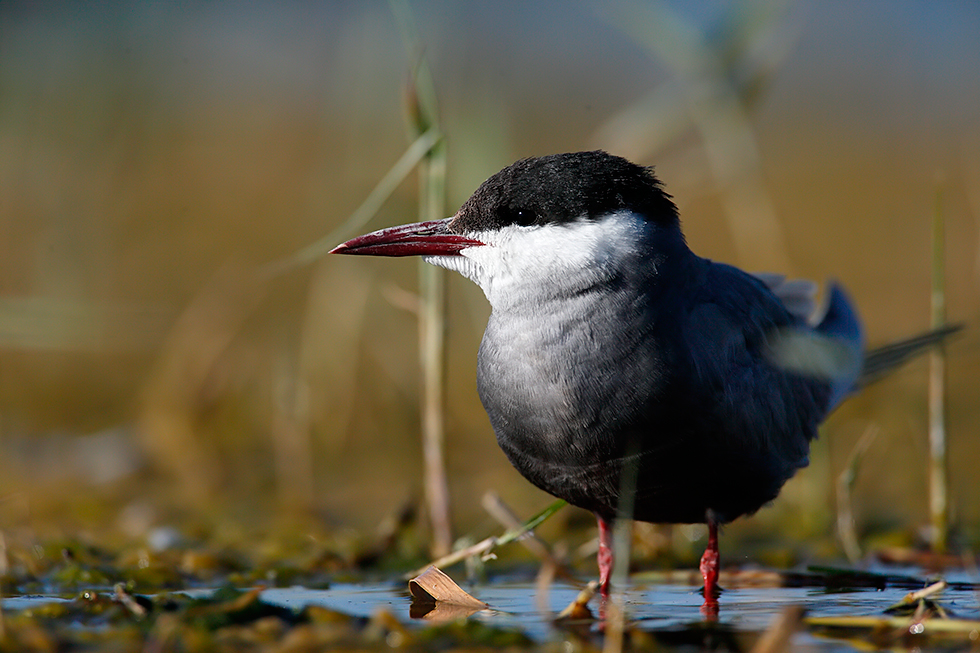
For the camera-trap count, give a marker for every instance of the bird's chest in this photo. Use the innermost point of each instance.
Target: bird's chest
(566, 388)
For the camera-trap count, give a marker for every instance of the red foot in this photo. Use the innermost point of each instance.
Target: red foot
(710, 563)
(710, 566)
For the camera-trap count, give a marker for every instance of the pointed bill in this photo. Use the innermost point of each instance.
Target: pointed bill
(418, 239)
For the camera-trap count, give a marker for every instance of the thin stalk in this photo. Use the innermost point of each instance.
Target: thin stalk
(500, 511)
(423, 113)
(845, 483)
(938, 455)
(485, 546)
(622, 541)
(419, 148)
(432, 349)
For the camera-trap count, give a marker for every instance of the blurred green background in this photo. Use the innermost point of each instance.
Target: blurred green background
(154, 155)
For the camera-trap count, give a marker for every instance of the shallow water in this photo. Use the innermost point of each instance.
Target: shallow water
(515, 604)
(658, 608)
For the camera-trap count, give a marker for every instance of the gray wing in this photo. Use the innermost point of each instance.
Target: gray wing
(771, 372)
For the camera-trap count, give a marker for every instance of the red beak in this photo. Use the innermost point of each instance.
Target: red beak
(418, 239)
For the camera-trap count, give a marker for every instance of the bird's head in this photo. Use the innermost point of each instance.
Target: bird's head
(569, 219)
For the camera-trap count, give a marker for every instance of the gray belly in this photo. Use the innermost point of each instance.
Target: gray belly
(592, 424)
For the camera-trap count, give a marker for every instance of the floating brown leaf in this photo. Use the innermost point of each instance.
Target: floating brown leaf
(434, 588)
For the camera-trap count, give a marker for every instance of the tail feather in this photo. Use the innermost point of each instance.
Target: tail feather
(834, 352)
(882, 360)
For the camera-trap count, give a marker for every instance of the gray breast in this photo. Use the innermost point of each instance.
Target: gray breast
(565, 383)
(580, 390)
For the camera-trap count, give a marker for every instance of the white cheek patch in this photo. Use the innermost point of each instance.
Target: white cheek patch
(526, 261)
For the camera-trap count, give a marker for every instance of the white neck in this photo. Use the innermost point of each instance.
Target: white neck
(527, 264)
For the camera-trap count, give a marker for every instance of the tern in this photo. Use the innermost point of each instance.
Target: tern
(617, 364)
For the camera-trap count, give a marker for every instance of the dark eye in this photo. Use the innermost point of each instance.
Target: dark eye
(521, 217)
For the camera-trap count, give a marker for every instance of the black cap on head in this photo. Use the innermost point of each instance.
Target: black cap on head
(565, 187)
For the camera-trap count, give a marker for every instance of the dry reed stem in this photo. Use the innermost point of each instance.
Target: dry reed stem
(938, 454)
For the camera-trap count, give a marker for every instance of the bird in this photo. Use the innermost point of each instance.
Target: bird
(622, 372)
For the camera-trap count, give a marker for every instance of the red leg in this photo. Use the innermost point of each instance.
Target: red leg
(710, 565)
(605, 555)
